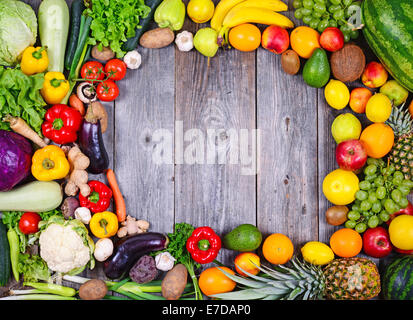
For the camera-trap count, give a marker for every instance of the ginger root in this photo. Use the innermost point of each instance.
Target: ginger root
(78, 176)
(132, 226)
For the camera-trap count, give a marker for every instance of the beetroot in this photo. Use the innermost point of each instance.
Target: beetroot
(144, 270)
(15, 159)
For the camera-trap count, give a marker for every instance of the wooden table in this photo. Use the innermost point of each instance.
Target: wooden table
(174, 92)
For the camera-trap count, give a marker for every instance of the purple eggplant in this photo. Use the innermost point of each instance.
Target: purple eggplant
(92, 145)
(129, 249)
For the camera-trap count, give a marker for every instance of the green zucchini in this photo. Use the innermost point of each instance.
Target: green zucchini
(132, 43)
(76, 11)
(36, 196)
(4, 256)
(54, 19)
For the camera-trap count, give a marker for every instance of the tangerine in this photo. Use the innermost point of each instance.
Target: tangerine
(304, 40)
(346, 243)
(213, 280)
(378, 139)
(277, 248)
(247, 261)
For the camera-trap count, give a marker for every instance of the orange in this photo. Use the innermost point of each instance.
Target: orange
(245, 37)
(277, 248)
(213, 280)
(304, 40)
(378, 139)
(346, 243)
(248, 262)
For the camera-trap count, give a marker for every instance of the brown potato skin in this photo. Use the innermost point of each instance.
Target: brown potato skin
(173, 285)
(157, 38)
(94, 289)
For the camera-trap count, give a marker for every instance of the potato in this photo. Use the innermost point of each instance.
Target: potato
(173, 285)
(157, 38)
(104, 55)
(93, 290)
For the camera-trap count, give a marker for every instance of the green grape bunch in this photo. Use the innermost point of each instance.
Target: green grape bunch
(383, 192)
(321, 14)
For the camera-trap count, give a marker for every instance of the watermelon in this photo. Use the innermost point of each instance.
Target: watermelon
(397, 279)
(388, 29)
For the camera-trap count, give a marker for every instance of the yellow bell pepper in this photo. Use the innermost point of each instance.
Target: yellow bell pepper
(55, 87)
(50, 163)
(104, 224)
(34, 60)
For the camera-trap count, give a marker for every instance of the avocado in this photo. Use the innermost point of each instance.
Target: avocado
(245, 237)
(316, 72)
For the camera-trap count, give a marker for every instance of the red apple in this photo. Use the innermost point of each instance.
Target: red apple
(374, 75)
(351, 155)
(332, 39)
(275, 39)
(376, 242)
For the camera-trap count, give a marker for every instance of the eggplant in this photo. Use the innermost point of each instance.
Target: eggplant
(92, 145)
(129, 249)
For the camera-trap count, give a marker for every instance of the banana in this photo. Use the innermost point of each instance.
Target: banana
(221, 10)
(255, 15)
(274, 5)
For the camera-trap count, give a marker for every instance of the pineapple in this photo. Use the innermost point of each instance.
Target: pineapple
(341, 279)
(401, 156)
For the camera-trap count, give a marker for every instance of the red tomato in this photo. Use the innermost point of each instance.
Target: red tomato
(29, 222)
(92, 70)
(107, 90)
(115, 69)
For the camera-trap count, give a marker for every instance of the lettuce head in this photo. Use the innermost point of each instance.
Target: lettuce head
(18, 30)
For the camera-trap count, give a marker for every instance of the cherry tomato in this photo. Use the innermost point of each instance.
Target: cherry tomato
(107, 90)
(92, 71)
(115, 69)
(29, 222)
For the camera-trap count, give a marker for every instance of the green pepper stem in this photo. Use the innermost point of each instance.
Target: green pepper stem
(48, 164)
(38, 53)
(57, 124)
(55, 83)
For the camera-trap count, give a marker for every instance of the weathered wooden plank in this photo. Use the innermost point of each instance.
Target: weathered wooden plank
(145, 108)
(209, 190)
(287, 188)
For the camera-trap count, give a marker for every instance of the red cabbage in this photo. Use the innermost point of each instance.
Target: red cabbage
(15, 159)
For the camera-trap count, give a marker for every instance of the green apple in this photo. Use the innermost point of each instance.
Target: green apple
(395, 92)
(346, 126)
(206, 42)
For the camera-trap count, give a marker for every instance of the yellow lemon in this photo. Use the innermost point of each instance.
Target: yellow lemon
(200, 11)
(340, 187)
(337, 94)
(317, 253)
(401, 232)
(378, 108)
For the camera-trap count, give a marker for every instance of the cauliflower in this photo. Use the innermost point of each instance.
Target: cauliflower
(66, 246)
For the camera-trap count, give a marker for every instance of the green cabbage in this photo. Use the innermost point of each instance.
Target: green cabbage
(18, 30)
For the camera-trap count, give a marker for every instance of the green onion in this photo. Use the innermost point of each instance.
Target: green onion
(39, 296)
(52, 288)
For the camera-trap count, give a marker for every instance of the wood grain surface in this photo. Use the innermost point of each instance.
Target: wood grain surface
(196, 106)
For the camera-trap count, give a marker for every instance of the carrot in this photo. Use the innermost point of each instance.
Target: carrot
(20, 126)
(117, 195)
(77, 104)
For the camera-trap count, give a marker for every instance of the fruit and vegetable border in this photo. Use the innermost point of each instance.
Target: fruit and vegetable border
(56, 220)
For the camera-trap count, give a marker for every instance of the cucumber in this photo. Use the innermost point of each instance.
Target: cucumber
(76, 11)
(132, 43)
(54, 19)
(35, 196)
(81, 47)
(4, 256)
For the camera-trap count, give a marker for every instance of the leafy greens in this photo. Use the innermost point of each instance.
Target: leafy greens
(20, 97)
(114, 21)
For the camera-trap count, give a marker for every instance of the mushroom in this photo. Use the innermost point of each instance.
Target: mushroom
(83, 214)
(103, 249)
(86, 92)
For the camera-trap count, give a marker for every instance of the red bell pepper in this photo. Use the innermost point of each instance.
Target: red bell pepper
(203, 245)
(99, 197)
(61, 124)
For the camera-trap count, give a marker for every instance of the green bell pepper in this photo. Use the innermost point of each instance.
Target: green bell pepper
(170, 14)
